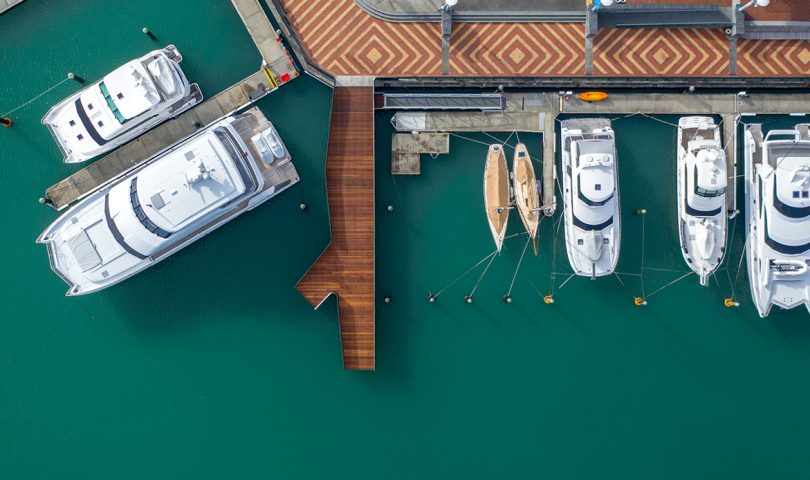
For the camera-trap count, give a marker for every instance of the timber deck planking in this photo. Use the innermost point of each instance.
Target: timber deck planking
(346, 268)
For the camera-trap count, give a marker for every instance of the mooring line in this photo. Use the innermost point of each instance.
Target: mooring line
(482, 276)
(35, 98)
(466, 273)
(518, 266)
(668, 284)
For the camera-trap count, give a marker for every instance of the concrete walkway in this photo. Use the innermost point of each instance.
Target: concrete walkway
(477, 10)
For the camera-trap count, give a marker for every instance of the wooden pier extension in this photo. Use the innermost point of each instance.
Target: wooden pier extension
(346, 268)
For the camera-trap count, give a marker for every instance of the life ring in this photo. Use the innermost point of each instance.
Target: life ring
(592, 96)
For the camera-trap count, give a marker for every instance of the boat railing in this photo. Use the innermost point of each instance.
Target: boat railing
(52, 261)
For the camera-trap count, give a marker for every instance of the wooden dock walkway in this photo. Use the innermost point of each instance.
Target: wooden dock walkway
(346, 268)
(159, 138)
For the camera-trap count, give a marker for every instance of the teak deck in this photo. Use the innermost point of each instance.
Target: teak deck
(346, 268)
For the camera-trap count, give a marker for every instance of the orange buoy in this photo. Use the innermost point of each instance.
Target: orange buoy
(6, 122)
(592, 96)
(639, 301)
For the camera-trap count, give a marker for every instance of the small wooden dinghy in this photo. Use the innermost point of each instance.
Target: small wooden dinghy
(496, 193)
(527, 196)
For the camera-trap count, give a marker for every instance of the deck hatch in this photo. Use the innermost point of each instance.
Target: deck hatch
(84, 251)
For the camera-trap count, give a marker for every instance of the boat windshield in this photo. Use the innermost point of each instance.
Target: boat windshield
(111, 103)
(704, 192)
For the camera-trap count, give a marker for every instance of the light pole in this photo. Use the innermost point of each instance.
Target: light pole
(755, 3)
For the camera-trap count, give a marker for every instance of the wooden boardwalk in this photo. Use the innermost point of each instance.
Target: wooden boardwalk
(346, 268)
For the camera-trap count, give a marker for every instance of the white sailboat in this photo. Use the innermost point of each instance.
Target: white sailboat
(527, 193)
(702, 180)
(121, 106)
(166, 203)
(777, 191)
(591, 196)
(496, 193)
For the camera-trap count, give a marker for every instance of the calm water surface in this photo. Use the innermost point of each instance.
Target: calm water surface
(210, 365)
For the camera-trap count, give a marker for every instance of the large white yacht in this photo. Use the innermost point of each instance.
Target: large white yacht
(777, 189)
(124, 104)
(169, 201)
(702, 183)
(591, 197)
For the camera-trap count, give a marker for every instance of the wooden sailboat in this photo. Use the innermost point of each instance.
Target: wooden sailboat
(527, 196)
(496, 193)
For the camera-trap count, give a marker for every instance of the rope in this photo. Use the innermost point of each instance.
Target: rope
(566, 281)
(518, 266)
(466, 273)
(482, 276)
(737, 275)
(643, 228)
(34, 99)
(668, 284)
(619, 279)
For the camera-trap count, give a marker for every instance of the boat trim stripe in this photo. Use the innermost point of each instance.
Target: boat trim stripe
(88, 125)
(117, 233)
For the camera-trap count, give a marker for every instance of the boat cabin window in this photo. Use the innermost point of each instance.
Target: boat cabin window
(141, 214)
(704, 192)
(789, 210)
(111, 103)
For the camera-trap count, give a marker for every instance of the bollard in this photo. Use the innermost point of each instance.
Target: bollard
(73, 76)
(148, 33)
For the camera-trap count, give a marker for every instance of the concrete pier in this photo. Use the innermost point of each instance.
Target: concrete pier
(275, 55)
(407, 150)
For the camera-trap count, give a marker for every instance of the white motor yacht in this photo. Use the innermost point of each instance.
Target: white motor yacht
(591, 196)
(702, 183)
(121, 106)
(167, 202)
(777, 189)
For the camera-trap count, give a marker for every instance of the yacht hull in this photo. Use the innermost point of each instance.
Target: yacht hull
(592, 231)
(496, 194)
(527, 194)
(702, 235)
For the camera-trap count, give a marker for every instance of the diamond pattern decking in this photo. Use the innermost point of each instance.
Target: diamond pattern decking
(346, 268)
(345, 40)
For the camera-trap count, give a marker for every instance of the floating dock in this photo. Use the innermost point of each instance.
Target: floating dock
(278, 64)
(346, 267)
(407, 150)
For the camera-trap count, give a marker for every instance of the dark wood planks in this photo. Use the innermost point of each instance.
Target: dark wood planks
(346, 268)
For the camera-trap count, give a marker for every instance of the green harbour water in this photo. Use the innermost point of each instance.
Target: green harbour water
(210, 365)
